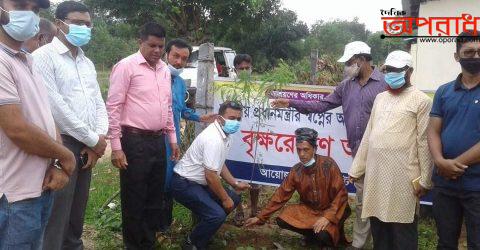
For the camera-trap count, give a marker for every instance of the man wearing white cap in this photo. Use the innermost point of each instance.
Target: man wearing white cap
(394, 158)
(355, 94)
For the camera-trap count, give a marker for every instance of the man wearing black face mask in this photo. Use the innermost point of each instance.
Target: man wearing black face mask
(454, 140)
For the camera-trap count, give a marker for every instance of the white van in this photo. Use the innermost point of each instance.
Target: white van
(224, 68)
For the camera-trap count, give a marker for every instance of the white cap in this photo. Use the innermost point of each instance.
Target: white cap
(354, 48)
(399, 59)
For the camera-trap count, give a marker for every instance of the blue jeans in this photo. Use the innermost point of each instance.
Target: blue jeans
(205, 205)
(22, 223)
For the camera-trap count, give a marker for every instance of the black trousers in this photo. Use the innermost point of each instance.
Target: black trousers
(322, 237)
(394, 236)
(450, 207)
(141, 189)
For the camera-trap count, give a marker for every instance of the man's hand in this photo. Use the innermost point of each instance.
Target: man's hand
(252, 222)
(208, 118)
(228, 205)
(119, 160)
(175, 152)
(242, 186)
(68, 163)
(421, 191)
(280, 103)
(321, 225)
(450, 169)
(352, 179)
(55, 179)
(92, 158)
(99, 149)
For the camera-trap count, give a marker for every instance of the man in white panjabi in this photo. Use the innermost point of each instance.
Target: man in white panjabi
(392, 155)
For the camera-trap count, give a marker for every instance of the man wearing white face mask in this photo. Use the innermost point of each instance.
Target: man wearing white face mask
(355, 94)
(323, 206)
(394, 158)
(80, 113)
(29, 142)
(196, 180)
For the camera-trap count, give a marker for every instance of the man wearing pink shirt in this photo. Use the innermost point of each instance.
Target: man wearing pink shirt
(140, 114)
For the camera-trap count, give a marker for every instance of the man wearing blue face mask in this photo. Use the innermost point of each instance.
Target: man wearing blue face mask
(28, 140)
(80, 113)
(394, 159)
(177, 54)
(196, 180)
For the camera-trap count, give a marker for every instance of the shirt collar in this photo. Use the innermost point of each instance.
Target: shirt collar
(141, 60)
(13, 53)
(62, 48)
(220, 130)
(459, 85)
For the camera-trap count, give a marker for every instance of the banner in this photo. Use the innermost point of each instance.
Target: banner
(264, 150)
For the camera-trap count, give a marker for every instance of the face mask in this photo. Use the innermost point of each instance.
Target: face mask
(174, 71)
(231, 126)
(395, 80)
(23, 25)
(309, 163)
(471, 65)
(352, 70)
(78, 35)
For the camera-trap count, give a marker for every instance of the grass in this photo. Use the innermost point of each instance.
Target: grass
(104, 224)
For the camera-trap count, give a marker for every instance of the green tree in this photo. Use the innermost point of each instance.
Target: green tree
(382, 47)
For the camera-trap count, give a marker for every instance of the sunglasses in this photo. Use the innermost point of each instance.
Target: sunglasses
(470, 53)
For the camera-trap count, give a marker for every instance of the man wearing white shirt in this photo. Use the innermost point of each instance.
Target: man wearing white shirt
(196, 181)
(80, 113)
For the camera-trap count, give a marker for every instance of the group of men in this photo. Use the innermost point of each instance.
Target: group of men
(54, 126)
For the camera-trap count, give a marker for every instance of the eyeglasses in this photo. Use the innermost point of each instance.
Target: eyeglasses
(470, 53)
(80, 22)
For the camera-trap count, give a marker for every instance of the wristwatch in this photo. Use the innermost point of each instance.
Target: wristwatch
(57, 164)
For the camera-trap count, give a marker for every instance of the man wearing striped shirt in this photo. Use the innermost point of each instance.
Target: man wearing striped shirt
(80, 113)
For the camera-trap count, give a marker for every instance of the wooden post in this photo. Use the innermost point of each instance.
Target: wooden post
(205, 93)
(313, 66)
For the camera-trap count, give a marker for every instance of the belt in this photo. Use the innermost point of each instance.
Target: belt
(137, 131)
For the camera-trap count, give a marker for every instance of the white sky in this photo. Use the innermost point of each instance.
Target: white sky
(368, 12)
(310, 11)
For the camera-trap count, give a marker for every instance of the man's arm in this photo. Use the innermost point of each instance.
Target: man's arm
(117, 94)
(31, 138)
(101, 113)
(424, 156)
(450, 169)
(434, 140)
(471, 156)
(227, 176)
(332, 101)
(65, 118)
(215, 185)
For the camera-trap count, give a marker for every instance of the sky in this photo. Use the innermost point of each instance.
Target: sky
(368, 12)
(310, 11)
